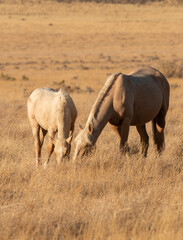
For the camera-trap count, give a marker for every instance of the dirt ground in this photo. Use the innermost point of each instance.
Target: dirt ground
(75, 46)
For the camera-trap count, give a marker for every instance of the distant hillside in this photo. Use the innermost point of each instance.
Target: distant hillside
(122, 1)
(97, 1)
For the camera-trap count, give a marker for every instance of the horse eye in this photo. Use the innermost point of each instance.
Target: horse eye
(87, 150)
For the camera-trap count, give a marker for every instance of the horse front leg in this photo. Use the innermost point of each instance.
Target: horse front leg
(42, 134)
(50, 147)
(124, 131)
(37, 144)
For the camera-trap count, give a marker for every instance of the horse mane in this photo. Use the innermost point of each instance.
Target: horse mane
(60, 109)
(101, 96)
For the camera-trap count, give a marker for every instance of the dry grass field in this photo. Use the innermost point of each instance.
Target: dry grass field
(104, 196)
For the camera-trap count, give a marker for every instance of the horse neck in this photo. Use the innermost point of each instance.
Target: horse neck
(64, 120)
(102, 108)
(101, 118)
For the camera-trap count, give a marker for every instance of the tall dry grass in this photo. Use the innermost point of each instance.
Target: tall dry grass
(105, 196)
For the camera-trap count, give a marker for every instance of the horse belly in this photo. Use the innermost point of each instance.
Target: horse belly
(146, 110)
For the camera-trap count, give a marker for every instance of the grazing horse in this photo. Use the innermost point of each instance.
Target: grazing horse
(52, 112)
(125, 100)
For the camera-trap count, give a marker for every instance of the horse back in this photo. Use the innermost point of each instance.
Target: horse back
(160, 80)
(141, 95)
(48, 106)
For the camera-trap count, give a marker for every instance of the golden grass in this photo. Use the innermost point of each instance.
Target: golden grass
(105, 196)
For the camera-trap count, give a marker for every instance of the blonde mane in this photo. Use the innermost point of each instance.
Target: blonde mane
(61, 110)
(102, 94)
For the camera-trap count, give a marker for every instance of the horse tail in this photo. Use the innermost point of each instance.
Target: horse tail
(158, 134)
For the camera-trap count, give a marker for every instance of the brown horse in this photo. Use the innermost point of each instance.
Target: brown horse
(52, 112)
(126, 100)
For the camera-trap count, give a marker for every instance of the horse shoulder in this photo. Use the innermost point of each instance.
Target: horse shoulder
(123, 95)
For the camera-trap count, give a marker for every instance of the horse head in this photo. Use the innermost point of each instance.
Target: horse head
(63, 148)
(84, 142)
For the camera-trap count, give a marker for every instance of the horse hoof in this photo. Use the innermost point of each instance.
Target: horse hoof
(45, 165)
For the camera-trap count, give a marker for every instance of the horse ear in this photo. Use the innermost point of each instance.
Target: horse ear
(80, 127)
(90, 128)
(69, 139)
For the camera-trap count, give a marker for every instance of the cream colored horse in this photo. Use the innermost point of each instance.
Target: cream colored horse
(126, 100)
(52, 112)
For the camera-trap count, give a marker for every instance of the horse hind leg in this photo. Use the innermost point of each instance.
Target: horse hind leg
(144, 139)
(158, 125)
